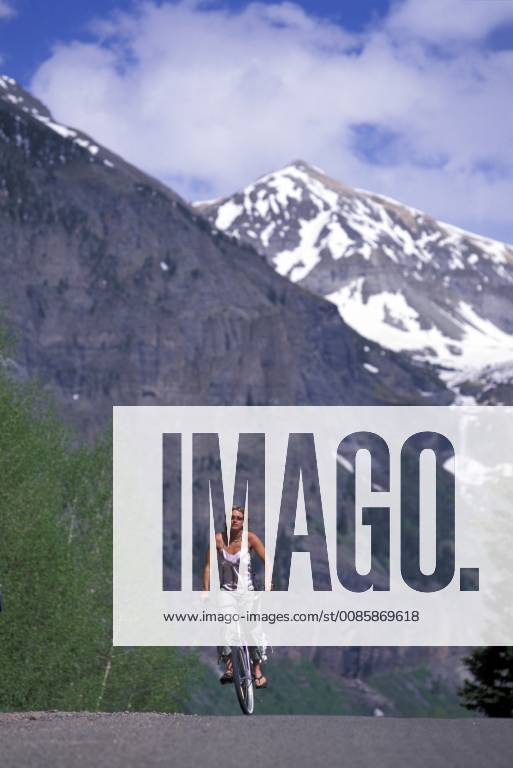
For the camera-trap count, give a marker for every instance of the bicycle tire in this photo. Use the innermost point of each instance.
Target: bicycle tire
(243, 678)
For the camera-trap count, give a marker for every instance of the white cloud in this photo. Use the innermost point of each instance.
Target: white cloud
(6, 9)
(208, 99)
(442, 21)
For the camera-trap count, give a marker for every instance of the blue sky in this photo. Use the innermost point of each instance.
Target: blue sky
(37, 25)
(409, 98)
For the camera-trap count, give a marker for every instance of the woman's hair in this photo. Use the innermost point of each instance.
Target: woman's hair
(237, 508)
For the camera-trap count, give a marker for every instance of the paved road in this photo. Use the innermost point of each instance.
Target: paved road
(66, 740)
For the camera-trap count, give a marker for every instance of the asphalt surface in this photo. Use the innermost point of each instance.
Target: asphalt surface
(131, 739)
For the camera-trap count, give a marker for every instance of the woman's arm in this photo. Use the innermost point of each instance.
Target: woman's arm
(211, 553)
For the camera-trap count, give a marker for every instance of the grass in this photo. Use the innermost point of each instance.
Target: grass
(295, 688)
(417, 692)
(299, 688)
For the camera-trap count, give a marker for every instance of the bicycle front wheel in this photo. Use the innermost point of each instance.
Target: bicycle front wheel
(243, 678)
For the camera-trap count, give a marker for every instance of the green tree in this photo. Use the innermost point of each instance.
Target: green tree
(56, 573)
(491, 689)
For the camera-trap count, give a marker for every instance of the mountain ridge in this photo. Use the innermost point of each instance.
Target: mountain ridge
(122, 293)
(397, 275)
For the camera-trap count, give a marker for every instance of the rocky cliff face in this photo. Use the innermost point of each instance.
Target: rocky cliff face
(121, 294)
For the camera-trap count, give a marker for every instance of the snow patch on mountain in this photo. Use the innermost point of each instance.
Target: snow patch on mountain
(389, 320)
(227, 214)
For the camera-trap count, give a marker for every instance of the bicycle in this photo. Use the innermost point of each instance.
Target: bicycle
(243, 672)
(243, 677)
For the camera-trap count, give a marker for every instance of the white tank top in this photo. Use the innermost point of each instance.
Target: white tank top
(235, 573)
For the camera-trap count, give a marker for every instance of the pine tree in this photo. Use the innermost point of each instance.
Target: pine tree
(491, 689)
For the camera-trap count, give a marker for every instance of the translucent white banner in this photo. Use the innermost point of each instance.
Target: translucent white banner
(377, 525)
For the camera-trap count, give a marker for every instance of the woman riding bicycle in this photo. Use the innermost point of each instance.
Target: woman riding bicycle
(235, 575)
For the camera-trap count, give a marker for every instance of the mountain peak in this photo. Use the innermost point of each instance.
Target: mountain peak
(302, 165)
(397, 276)
(311, 174)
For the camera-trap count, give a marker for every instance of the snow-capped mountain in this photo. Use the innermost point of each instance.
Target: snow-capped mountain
(397, 276)
(118, 291)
